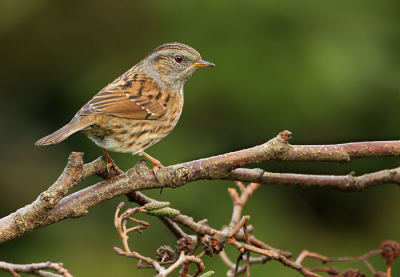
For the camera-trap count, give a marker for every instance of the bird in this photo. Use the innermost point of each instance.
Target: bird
(139, 108)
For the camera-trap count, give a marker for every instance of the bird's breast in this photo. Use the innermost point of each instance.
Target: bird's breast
(131, 135)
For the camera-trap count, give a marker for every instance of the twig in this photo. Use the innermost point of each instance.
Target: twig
(120, 223)
(275, 256)
(246, 235)
(240, 201)
(258, 243)
(241, 269)
(324, 259)
(388, 249)
(183, 259)
(37, 269)
(344, 183)
(240, 224)
(142, 199)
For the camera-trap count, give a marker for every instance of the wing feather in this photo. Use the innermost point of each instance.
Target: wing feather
(141, 98)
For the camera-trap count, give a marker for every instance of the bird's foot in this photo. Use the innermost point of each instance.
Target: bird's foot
(156, 163)
(112, 166)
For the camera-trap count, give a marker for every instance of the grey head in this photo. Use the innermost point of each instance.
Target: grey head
(172, 64)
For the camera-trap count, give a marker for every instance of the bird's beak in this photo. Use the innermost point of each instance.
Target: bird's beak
(201, 63)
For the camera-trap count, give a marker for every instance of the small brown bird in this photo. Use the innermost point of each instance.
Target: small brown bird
(139, 108)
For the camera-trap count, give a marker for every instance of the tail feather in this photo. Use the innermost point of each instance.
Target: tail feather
(63, 133)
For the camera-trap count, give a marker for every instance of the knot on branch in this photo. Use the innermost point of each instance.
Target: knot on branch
(141, 167)
(352, 184)
(49, 200)
(284, 136)
(280, 143)
(175, 176)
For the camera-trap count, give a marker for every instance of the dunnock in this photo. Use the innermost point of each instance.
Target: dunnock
(139, 108)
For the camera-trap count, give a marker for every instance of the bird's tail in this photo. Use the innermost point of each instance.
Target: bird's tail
(76, 124)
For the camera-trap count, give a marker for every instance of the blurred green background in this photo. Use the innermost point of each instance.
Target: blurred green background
(328, 71)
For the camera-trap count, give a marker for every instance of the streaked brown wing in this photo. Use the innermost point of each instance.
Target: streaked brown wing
(140, 99)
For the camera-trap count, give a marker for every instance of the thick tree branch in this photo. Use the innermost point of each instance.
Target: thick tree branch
(52, 205)
(33, 216)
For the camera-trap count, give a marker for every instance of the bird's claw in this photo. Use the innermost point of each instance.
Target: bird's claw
(113, 169)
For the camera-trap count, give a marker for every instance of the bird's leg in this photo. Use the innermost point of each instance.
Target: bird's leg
(111, 163)
(157, 164)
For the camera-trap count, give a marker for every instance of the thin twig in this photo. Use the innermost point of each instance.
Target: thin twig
(275, 256)
(183, 259)
(246, 235)
(37, 269)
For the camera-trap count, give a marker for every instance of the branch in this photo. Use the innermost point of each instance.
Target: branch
(48, 208)
(183, 259)
(344, 183)
(37, 269)
(213, 241)
(388, 249)
(274, 255)
(34, 216)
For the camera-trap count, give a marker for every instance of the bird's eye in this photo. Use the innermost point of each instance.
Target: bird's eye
(178, 58)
